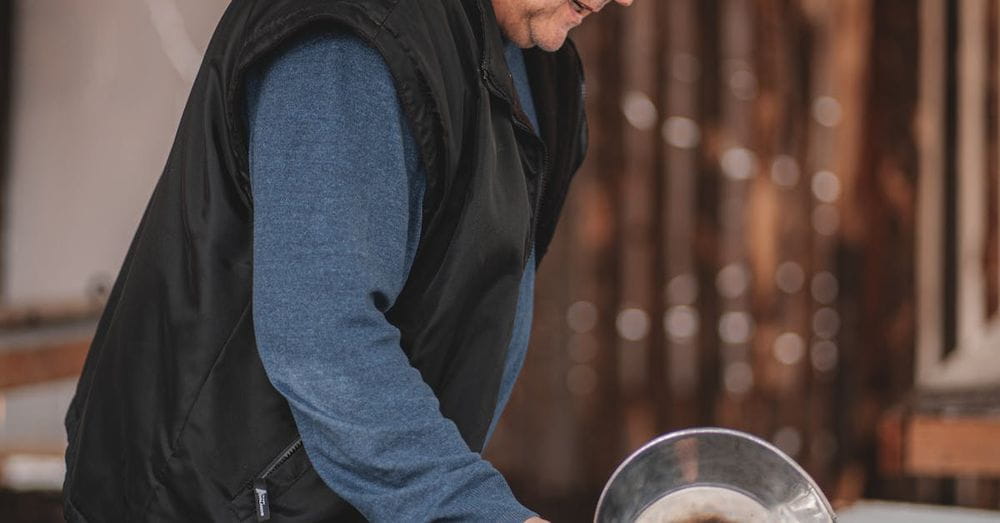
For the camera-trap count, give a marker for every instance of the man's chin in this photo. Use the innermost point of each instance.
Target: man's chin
(551, 43)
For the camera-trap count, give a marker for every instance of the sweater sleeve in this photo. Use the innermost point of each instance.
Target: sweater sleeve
(336, 181)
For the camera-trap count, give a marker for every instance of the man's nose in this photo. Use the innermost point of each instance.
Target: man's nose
(603, 3)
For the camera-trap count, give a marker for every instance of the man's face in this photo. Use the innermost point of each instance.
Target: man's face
(544, 23)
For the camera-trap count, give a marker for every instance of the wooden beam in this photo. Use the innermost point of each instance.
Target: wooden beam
(40, 364)
(890, 442)
(38, 315)
(952, 446)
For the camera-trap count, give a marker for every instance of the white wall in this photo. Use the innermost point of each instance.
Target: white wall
(99, 86)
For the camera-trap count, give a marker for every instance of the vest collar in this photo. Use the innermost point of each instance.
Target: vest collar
(493, 63)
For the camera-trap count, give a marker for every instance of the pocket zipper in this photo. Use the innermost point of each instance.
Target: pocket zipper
(262, 505)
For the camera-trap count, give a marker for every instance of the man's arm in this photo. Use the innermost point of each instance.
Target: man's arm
(332, 167)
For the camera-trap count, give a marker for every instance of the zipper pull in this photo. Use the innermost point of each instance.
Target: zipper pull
(261, 505)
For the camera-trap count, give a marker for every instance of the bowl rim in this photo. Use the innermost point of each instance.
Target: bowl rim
(696, 431)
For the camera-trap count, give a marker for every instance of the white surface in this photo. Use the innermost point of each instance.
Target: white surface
(32, 472)
(885, 512)
(31, 417)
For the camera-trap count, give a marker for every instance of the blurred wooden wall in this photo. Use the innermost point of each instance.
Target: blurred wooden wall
(6, 54)
(738, 249)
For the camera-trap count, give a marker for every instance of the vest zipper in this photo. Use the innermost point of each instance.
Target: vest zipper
(543, 178)
(262, 505)
(518, 119)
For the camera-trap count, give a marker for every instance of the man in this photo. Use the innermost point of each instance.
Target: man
(381, 177)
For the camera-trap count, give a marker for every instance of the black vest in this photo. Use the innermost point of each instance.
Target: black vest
(174, 417)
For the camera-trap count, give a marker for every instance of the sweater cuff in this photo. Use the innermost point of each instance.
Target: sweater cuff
(493, 501)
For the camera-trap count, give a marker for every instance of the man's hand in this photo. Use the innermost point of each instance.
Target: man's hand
(536, 520)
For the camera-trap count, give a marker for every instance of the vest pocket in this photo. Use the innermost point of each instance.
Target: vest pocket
(254, 500)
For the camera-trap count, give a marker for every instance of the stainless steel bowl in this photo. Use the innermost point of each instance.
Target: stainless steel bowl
(711, 475)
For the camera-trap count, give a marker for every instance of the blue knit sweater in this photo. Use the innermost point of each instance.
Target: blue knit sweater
(338, 186)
